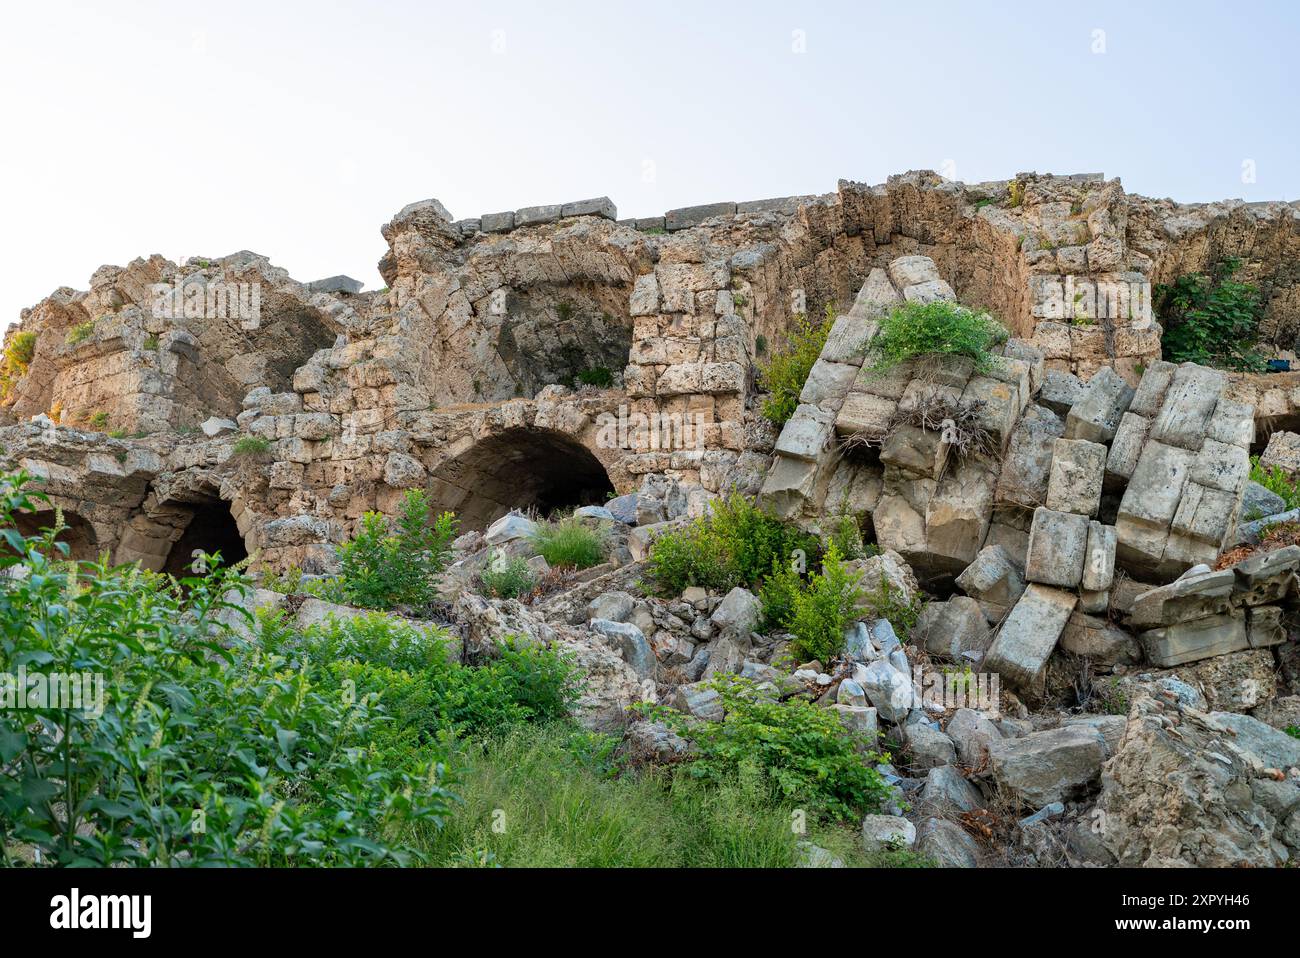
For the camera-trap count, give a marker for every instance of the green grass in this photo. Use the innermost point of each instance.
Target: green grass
(550, 796)
(784, 374)
(570, 543)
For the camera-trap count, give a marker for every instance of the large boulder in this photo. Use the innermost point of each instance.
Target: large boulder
(1051, 766)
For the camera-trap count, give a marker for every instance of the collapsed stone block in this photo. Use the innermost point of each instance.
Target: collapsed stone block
(1058, 548)
(1060, 391)
(916, 450)
(1189, 403)
(993, 580)
(1282, 452)
(807, 435)
(1126, 447)
(1150, 392)
(1074, 484)
(1057, 765)
(1026, 640)
(1096, 415)
(1000, 406)
(1198, 639)
(1193, 597)
(1266, 578)
(1099, 562)
(865, 415)
(1027, 464)
(953, 628)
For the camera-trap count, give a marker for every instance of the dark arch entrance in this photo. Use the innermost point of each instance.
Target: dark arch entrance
(519, 469)
(211, 528)
(79, 535)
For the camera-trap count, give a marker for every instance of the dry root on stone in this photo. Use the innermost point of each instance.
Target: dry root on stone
(933, 412)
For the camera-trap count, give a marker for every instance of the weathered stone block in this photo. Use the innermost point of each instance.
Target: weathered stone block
(1265, 578)
(953, 628)
(876, 297)
(1099, 563)
(534, 215)
(1264, 626)
(1001, 406)
(807, 434)
(497, 222)
(1052, 766)
(689, 216)
(1150, 393)
(1099, 640)
(1058, 548)
(1198, 639)
(1059, 391)
(1096, 415)
(1282, 452)
(1074, 485)
(1221, 466)
(1233, 422)
(1193, 597)
(1027, 464)
(599, 206)
(865, 415)
(993, 580)
(789, 485)
(911, 270)
(1126, 448)
(915, 450)
(827, 382)
(1189, 403)
(1026, 640)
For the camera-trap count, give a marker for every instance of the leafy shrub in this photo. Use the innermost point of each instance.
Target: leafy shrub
(1211, 320)
(820, 612)
(210, 750)
(846, 535)
(97, 420)
(250, 447)
(1293, 731)
(736, 544)
(522, 684)
(80, 332)
(570, 543)
(885, 602)
(388, 564)
(784, 374)
(938, 328)
(1276, 481)
(17, 357)
(777, 595)
(600, 377)
(513, 579)
(801, 751)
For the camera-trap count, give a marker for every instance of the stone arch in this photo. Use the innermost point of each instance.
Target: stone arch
(78, 534)
(518, 468)
(163, 536)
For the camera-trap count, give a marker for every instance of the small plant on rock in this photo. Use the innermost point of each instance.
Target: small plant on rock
(784, 375)
(247, 447)
(80, 332)
(1276, 481)
(508, 580)
(938, 328)
(822, 610)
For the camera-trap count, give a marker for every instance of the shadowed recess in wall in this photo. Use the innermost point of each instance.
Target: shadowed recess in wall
(519, 469)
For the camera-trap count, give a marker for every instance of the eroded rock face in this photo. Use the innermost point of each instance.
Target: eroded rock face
(1185, 789)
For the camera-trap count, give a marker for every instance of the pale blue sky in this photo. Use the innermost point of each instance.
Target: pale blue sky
(296, 129)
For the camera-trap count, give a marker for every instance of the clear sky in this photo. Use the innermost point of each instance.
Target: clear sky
(297, 129)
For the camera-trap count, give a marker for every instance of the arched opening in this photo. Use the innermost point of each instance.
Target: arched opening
(78, 534)
(519, 469)
(210, 529)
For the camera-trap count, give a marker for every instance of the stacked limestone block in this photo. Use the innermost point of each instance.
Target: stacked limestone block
(1183, 448)
(1208, 613)
(1174, 451)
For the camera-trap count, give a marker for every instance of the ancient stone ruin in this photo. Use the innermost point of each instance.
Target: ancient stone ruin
(557, 357)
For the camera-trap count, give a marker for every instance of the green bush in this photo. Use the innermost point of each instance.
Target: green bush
(736, 544)
(822, 610)
(801, 751)
(513, 579)
(600, 376)
(846, 535)
(1276, 481)
(777, 595)
(1211, 320)
(390, 564)
(209, 749)
(938, 328)
(522, 684)
(17, 357)
(1293, 731)
(570, 543)
(784, 374)
(80, 332)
